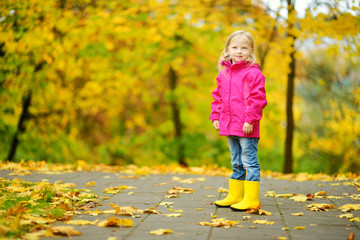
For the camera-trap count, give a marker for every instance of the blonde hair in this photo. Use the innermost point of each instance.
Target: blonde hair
(225, 55)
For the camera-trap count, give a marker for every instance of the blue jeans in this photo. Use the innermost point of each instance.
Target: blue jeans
(244, 160)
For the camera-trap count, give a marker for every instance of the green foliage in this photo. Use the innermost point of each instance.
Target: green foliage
(98, 73)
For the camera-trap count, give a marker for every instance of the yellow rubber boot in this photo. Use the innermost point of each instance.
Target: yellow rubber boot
(251, 197)
(236, 193)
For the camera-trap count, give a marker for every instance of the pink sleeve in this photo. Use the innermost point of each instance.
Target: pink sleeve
(216, 104)
(256, 100)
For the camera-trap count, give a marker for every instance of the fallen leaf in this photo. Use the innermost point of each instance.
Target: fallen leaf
(129, 177)
(347, 215)
(172, 210)
(116, 222)
(349, 207)
(172, 196)
(223, 190)
(351, 236)
(82, 222)
(32, 235)
(165, 203)
(354, 219)
(285, 229)
(318, 207)
(259, 211)
(220, 222)
(61, 230)
(173, 215)
(297, 214)
(127, 211)
(151, 210)
(115, 190)
(265, 221)
(284, 195)
(90, 183)
(94, 213)
(270, 194)
(177, 190)
(299, 198)
(321, 193)
(299, 228)
(161, 231)
(310, 196)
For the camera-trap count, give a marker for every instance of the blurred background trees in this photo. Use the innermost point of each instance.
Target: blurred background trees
(123, 82)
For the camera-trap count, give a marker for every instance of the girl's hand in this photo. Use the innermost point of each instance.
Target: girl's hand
(216, 125)
(248, 128)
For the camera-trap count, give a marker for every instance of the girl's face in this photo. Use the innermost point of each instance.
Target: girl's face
(239, 49)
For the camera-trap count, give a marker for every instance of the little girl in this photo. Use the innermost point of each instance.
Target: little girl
(236, 112)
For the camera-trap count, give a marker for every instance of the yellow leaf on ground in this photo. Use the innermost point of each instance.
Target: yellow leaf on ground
(297, 214)
(166, 203)
(318, 207)
(299, 228)
(354, 219)
(127, 211)
(94, 213)
(349, 207)
(284, 195)
(265, 221)
(115, 190)
(172, 196)
(82, 166)
(173, 215)
(270, 194)
(61, 230)
(299, 198)
(347, 215)
(172, 210)
(223, 190)
(177, 190)
(220, 222)
(115, 222)
(90, 183)
(321, 193)
(259, 211)
(161, 231)
(151, 210)
(82, 222)
(33, 235)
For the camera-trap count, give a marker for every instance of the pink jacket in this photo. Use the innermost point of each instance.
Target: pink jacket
(239, 97)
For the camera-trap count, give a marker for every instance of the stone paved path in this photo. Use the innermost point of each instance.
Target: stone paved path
(150, 191)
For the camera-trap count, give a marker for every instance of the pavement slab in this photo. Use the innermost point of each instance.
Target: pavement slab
(151, 191)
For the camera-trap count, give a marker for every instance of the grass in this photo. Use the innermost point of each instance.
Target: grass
(27, 205)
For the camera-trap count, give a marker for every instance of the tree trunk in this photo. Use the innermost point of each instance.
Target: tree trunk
(288, 164)
(173, 79)
(20, 126)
